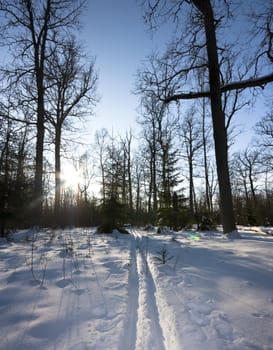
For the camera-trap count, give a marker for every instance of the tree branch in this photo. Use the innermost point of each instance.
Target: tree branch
(238, 85)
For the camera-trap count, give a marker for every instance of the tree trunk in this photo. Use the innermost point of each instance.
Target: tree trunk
(137, 191)
(252, 187)
(130, 188)
(39, 61)
(38, 179)
(191, 184)
(207, 185)
(5, 186)
(57, 173)
(218, 118)
(150, 187)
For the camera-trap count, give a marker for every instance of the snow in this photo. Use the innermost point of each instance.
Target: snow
(73, 289)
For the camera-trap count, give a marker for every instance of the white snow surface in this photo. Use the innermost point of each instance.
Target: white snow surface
(73, 289)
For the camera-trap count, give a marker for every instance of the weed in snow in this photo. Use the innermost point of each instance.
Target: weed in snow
(163, 255)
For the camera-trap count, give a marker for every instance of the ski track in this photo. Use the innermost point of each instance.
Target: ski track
(203, 321)
(200, 317)
(149, 325)
(128, 341)
(161, 309)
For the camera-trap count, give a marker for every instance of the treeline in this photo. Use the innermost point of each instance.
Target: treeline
(165, 175)
(47, 84)
(180, 168)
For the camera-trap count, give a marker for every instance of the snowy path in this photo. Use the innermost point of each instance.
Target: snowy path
(195, 317)
(149, 330)
(128, 341)
(114, 292)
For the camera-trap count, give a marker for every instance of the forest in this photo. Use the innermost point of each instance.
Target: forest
(180, 166)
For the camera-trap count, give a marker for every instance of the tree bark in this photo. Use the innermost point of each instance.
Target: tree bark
(57, 172)
(191, 183)
(39, 41)
(206, 170)
(38, 179)
(218, 118)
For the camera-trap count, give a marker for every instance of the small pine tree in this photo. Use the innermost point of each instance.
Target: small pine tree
(112, 216)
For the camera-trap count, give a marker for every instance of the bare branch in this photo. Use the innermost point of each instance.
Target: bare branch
(239, 85)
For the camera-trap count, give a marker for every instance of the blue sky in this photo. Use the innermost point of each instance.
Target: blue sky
(116, 34)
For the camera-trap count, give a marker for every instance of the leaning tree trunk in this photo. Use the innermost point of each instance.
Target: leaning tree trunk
(218, 118)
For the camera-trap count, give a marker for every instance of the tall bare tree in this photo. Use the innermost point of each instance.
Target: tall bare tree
(30, 28)
(264, 129)
(102, 139)
(70, 95)
(191, 135)
(247, 168)
(151, 120)
(126, 144)
(196, 48)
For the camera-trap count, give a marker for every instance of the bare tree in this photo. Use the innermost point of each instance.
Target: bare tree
(206, 145)
(139, 182)
(30, 28)
(70, 95)
(264, 130)
(247, 168)
(15, 173)
(191, 135)
(196, 48)
(127, 159)
(85, 176)
(150, 121)
(102, 139)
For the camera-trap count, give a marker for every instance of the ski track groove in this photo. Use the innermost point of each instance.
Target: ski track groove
(199, 313)
(173, 340)
(196, 318)
(128, 341)
(144, 317)
(166, 313)
(148, 312)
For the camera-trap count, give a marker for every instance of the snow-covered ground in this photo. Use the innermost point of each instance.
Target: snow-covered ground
(75, 290)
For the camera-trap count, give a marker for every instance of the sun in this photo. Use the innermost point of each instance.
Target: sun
(70, 177)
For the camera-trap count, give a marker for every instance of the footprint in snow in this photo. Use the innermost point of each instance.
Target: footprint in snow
(105, 326)
(63, 283)
(261, 315)
(80, 346)
(198, 318)
(194, 333)
(186, 282)
(224, 329)
(201, 308)
(98, 311)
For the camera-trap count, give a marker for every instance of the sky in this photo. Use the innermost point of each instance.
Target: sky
(115, 33)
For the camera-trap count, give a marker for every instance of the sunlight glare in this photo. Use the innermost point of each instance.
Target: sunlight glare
(70, 177)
